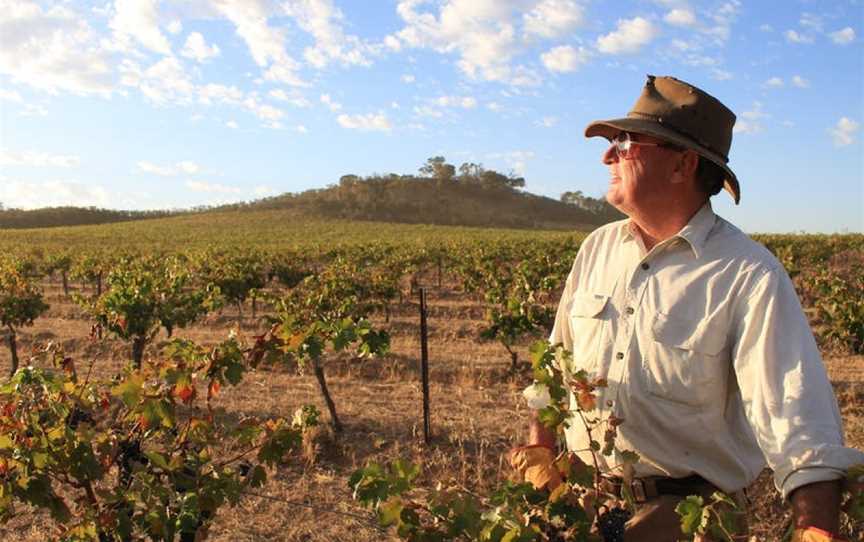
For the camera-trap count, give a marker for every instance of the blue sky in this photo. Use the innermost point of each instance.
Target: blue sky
(142, 104)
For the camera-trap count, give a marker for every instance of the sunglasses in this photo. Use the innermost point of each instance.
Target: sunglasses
(623, 143)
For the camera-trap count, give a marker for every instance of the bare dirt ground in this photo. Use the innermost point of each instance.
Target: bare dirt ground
(477, 415)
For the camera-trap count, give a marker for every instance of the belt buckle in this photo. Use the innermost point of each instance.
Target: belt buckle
(637, 487)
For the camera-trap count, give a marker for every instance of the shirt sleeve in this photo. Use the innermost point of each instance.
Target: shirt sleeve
(787, 397)
(561, 333)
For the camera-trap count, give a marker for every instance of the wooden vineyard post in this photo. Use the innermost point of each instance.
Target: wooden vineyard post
(424, 366)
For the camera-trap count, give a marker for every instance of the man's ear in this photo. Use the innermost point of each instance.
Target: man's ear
(685, 168)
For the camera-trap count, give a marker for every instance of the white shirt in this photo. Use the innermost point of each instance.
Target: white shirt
(709, 358)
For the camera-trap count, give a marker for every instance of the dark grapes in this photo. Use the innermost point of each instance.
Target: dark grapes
(611, 524)
(77, 416)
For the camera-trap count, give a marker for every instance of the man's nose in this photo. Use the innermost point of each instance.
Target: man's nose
(610, 156)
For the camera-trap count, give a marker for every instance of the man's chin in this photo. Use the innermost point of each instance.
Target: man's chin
(613, 199)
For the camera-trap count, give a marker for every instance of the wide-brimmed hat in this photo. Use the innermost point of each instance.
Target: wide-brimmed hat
(683, 115)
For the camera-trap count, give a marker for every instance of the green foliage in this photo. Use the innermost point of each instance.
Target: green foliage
(21, 303)
(21, 299)
(236, 275)
(327, 310)
(839, 302)
(133, 457)
(145, 295)
(513, 511)
(719, 518)
(517, 283)
(570, 511)
(330, 309)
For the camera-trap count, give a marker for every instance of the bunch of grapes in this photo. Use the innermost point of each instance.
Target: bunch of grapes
(611, 524)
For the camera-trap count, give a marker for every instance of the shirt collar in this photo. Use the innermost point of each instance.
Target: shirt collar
(695, 233)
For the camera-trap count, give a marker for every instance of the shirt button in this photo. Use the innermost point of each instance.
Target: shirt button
(645, 266)
(620, 355)
(629, 310)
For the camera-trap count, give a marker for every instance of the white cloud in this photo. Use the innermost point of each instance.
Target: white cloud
(164, 82)
(553, 18)
(37, 159)
(212, 188)
(323, 21)
(681, 17)
(139, 19)
(794, 37)
(699, 60)
(188, 166)
(266, 44)
(744, 126)
(278, 94)
(52, 50)
(232, 124)
(262, 191)
(408, 78)
(54, 193)
(271, 115)
(148, 167)
(465, 102)
(630, 36)
(174, 27)
(198, 49)
(721, 75)
(481, 32)
(10, 96)
(844, 131)
(301, 129)
(766, 28)
(294, 99)
(774, 82)
(546, 122)
(213, 92)
(31, 110)
(684, 46)
(392, 43)
(811, 21)
(565, 58)
(332, 105)
(800, 82)
(426, 111)
(515, 160)
(183, 167)
(723, 18)
(750, 121)
(843, 37)
(366, 123)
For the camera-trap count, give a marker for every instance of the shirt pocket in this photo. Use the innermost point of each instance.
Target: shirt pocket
(683, 361)
(588, 316)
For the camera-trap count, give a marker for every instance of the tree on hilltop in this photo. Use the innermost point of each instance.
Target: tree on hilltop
(438, 168)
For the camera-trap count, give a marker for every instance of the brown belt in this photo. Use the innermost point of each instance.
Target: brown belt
(645, 489)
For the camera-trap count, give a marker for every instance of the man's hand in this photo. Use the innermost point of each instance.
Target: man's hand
(816, 511)
(536, 464)
(812, 534)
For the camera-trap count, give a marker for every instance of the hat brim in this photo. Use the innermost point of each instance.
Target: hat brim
(611, 128)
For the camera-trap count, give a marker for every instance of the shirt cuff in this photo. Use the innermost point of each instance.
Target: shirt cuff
(808, 475)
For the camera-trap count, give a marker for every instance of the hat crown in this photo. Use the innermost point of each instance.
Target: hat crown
(687, 110)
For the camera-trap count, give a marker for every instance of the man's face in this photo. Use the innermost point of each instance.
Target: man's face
(640, 183)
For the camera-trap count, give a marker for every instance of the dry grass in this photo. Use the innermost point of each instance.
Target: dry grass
(476, 415)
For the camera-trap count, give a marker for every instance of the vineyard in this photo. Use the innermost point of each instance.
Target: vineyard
(215, 383)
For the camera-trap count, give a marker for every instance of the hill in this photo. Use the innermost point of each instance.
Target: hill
(50, 217)
(492, 201)
(421, 200)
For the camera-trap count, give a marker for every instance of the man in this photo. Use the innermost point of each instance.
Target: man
(708, 356)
